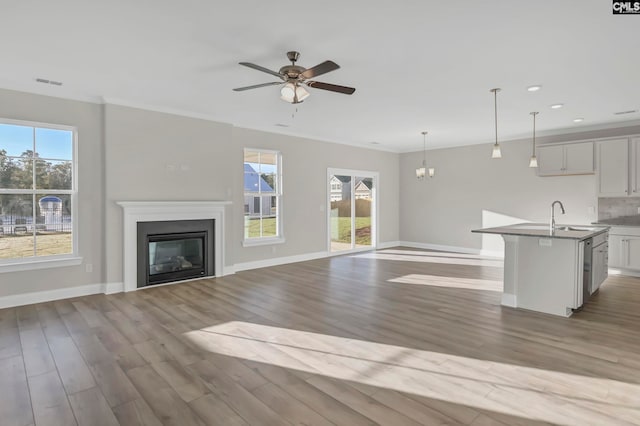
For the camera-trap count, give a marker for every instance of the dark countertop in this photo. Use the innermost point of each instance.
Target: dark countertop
(581, 232)
(620, 221)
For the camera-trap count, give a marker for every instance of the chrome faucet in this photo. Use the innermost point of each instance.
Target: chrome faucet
(552, 225)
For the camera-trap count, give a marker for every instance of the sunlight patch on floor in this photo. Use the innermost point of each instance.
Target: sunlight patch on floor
(526, 392)
(433, 257)
(449, 282)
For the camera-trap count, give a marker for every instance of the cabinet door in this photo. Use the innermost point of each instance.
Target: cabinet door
(632, 252)
(613, 168)
(578, 158)
(617, 246)
(550, 160)
(635, 167)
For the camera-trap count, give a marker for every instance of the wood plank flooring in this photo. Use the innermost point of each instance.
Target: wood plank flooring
(393, 337)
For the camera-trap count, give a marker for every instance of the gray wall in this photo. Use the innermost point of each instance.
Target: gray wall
(87, 118)
(133, 154)
(152, 156)
(471, 190)
(305, 163)
(142, 145)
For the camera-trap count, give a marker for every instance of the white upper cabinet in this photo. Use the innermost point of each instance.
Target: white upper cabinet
(614, 167)
(567, 159)
(550, 160)
(578, 158)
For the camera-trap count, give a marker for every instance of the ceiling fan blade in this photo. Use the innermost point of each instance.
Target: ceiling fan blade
(320, 69)
(259, 68)
(331, 87)
(256, 86)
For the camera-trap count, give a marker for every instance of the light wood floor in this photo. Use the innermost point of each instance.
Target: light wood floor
(395, 337)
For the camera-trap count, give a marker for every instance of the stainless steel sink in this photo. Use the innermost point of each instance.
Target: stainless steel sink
(575, 228)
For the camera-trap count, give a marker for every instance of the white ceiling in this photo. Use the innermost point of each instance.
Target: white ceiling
(417, 65)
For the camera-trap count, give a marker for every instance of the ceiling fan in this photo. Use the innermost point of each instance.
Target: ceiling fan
(295, 77)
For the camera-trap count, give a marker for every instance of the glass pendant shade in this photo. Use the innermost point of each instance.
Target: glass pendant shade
(533, 163)
(289, 92)
(420, 172)
(432, 172)
(497, 153)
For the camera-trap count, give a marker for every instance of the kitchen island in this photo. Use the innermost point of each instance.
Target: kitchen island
(548, 271)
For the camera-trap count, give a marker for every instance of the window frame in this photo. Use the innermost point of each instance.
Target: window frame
(58, 260)
(279, 237)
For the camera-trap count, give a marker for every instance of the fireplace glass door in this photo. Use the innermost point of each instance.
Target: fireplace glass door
(173, 257)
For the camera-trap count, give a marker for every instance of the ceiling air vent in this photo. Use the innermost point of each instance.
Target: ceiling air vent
(45, 81)
(631, 111)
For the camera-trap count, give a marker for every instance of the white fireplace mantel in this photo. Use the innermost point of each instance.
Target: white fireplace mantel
(151, 211)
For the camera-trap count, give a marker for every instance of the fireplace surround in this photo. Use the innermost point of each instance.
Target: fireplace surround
(135, 212)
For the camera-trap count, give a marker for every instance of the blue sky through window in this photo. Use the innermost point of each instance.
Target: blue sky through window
(50, 143)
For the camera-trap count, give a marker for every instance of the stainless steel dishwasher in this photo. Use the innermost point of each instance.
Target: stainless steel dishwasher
(587, 271)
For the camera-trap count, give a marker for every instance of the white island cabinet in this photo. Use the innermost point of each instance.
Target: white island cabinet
(550, 272)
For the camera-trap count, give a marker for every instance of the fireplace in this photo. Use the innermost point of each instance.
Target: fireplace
(175, 250)
(135, 212)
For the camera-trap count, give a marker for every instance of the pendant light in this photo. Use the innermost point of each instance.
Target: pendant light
(496, 153)
(533, 163)
(421, 172)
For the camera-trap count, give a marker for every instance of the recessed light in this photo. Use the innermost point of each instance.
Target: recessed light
(375, 143)
(631, 111)
(556, 106)
(578, 120)
(281, 125)
(534, 88)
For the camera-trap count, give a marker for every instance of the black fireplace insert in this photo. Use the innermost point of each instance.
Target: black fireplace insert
(171, 251)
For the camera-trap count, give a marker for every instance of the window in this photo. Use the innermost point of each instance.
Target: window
(262, 197)
(37, 192)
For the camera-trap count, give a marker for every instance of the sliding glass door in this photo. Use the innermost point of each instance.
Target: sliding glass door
(351, 212)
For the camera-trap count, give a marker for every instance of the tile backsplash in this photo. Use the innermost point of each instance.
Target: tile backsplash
(609, 208)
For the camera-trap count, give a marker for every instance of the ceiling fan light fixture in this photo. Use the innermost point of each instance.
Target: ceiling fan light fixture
(293, 93)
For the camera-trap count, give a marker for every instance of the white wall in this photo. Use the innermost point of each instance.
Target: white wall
(471, 190)
(87, 118)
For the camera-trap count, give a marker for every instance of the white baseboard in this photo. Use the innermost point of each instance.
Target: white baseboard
(110, 288)
(454, 249)
(279, 261)
(49, 295)
(509, 300)
(627, 272)
(388, 244)
(228, 270)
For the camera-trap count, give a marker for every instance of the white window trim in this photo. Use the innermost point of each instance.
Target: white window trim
(54, 261)
(270, 240)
